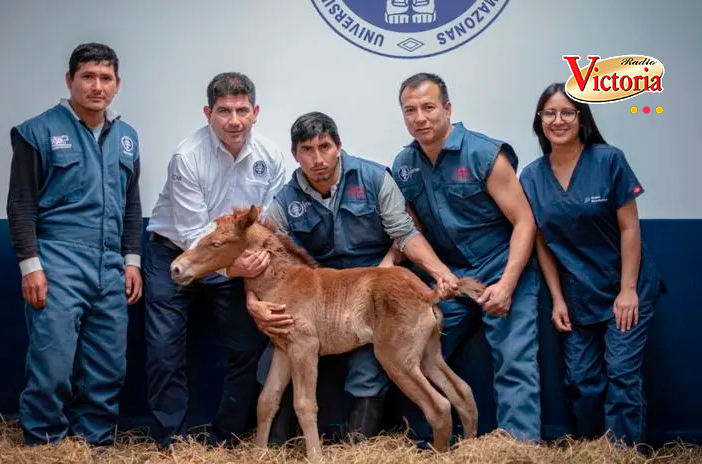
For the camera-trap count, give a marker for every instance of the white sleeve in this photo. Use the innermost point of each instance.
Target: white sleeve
(190, 216)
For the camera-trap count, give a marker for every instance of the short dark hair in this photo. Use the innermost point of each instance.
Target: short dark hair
(230, 83)
(311, 125)
(89, 52)
(588, 134)
(418, 79)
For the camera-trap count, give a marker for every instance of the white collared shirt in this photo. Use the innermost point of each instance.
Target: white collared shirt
(205, 181)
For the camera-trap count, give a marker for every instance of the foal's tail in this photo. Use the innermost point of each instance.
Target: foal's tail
(467, 286)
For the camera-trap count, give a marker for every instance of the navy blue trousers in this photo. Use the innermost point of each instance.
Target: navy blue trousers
(514, 344)
(365, 377)
(76, 361)
(167, 306)
(604, 382)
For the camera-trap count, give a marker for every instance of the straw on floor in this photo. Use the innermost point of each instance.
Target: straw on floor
(496, 447)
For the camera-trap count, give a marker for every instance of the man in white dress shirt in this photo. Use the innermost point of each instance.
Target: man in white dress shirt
(223, 165)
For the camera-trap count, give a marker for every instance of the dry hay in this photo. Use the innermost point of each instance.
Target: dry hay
(495, 447)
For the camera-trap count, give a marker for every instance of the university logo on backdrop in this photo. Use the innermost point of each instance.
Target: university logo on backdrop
(409, 28)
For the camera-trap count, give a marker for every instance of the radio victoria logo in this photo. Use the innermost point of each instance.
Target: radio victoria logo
(613, 79)
(409, 28)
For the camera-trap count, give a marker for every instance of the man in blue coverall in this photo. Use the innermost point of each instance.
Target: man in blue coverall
(463, 189)
(75, 219)
(346, 212)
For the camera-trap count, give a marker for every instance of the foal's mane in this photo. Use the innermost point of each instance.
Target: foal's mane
(276, 241)
(280, 242)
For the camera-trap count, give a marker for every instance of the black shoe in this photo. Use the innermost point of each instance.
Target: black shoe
(284, 425)
(365, 418)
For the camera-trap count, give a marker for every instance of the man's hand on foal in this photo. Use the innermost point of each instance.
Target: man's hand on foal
(249, 264)
(270, 318)
(497, 299)
(447, 285)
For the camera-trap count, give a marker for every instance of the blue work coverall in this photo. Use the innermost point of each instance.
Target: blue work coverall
(76, 361)
(471, 235)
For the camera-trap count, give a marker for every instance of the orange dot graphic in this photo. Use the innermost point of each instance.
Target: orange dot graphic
(634, 110)
(659, 110)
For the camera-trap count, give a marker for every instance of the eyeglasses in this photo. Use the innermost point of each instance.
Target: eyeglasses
(567, 115)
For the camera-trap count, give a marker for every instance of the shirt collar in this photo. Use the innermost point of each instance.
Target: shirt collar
(453, 142)
(249, 144)
(110, 114)
(455, 138)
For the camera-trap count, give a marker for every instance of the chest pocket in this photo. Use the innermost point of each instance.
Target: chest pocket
(585, 218)
(414, 195)
(310, 232)
(248, 190)
(470, 201)
(362, 225)
(65, 180)
(412, 190)
(258, 187)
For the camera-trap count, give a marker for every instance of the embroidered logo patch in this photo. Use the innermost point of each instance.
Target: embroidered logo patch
(59, 142)
(461, 173)
(595, 199)
(405, 172)
(127, 145)
(259, 169)
(296, 209)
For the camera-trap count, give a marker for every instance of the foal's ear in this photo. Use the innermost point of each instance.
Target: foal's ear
(245, 221)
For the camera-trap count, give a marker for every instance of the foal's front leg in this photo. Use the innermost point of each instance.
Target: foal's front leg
(303, 356)
(269, 399)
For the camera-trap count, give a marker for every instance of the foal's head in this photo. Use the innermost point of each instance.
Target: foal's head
(225, 240)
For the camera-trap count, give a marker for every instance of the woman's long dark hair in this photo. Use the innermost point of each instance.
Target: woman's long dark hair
(589, 134)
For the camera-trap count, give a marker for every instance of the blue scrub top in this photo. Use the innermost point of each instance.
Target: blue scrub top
(580, 227)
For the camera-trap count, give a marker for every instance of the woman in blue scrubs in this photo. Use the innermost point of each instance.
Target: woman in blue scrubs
(603, 282)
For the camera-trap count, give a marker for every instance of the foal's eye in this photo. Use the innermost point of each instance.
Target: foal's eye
(216, 244)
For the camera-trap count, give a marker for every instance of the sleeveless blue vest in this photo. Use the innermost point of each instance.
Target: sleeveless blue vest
(461, 221)
(354, 236)
(83, 196)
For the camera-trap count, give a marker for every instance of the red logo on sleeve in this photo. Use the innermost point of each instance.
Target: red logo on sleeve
(636, 190)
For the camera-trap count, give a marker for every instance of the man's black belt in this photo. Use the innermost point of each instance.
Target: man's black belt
(161, 240)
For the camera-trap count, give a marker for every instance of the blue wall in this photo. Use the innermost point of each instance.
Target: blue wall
(673, 378)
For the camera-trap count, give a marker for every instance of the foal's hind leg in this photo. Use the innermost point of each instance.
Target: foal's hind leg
(456, 389)
(269, 399)
(408, 377)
